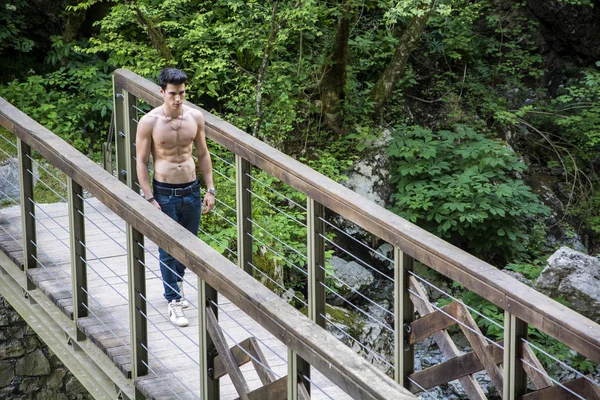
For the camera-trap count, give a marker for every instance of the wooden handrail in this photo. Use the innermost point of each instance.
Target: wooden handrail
(342, 365)
(560, 322)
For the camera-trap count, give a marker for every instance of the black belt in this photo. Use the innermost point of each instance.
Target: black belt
(176, 191)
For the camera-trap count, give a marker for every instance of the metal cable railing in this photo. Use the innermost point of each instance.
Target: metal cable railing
(559, 362)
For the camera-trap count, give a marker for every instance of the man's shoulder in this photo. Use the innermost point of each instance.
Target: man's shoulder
(150, 117)
(197, 114)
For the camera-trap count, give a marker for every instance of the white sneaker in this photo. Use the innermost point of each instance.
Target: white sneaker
(185, 303)
(176, 313)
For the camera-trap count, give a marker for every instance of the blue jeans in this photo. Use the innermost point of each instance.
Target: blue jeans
(186, 211)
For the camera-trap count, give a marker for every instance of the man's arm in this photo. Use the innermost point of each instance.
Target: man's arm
(143, 146)
(204, 163)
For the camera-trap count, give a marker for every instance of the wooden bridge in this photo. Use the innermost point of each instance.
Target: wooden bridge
(84, 274)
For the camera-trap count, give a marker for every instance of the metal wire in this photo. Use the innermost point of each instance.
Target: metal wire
(552, 379)
(7, 154)
(223, 175)
(165, 335)
(13, 144)
(48, 172)
(356, 258)
(279, 255)
(166, 266)
(215, 240)
(358, 342)
(277, 239)
(457, 321)
(382, 323)
(274, 207)
(9, 234)
(222, 203)
(102, 322)
(159, 377)
(312, 383)
(101, 213)
(455, 299)
(170, 372)
(421, 387)
(276, 283)
(50, 272)
(275, 191)
(222, 159)
(224, 218)
(60, 196)
(176, 290)
(104, 280)
(102, 230)
(356, 240)
(564, 365)
(51, 232)
(139, 109)
(356, 291)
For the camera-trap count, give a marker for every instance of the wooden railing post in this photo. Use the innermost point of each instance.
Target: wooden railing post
(298, 368)
(130, 124)
(243, 169)
(515, 378)
(209, 387)
(119, 110)
(27, 209)
(137, 303)
(78, 253)
(404, 356)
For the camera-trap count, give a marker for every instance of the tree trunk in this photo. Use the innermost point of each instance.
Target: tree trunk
(154, 33)
(260, 79)
(334, 78)
(386, 84)
(75, 20)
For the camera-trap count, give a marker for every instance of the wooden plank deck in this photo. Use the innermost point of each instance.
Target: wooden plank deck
(174, 353)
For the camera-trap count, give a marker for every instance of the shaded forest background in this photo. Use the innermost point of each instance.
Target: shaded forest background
(487, 111)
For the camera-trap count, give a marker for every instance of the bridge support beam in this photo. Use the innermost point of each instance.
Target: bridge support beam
(404, 356)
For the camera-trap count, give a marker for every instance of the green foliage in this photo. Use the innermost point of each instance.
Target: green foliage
(74, 101)
(462, 186)
(530, 271)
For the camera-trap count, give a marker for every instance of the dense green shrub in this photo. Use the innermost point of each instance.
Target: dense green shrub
(463, 187)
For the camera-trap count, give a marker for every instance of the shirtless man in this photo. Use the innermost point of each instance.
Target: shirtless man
(168, 133)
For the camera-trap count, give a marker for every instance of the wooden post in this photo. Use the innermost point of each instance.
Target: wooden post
(137, 303)
(297, 367)
(27, 209)
(78, 253)
(315, 228)
(130, 124)
(404, 356)
(243, 169)
(120, 110)
(209, 386)
(515, 379)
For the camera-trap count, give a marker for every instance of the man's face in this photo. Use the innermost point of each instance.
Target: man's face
(173, 95)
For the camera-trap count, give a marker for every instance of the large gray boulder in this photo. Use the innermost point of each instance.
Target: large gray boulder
(575, 277)
(9, 178)
(350, 278)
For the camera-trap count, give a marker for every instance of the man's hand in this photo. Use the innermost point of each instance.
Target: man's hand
(155, 204)
(209, 203)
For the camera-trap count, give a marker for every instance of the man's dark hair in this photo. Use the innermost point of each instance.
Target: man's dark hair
(171, 75)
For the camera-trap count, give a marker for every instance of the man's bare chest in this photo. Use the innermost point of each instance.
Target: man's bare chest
(174, 134)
